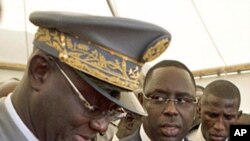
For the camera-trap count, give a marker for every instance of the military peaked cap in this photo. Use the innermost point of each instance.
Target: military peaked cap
(105, 51)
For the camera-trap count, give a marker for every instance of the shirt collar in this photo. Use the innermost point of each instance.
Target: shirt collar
(17, 120)
(144, 136)
(115, 138)
(199, 135)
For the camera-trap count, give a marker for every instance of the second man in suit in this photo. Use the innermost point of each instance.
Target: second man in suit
(169, 98)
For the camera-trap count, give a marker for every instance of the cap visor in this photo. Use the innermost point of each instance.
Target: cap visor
(127, 99)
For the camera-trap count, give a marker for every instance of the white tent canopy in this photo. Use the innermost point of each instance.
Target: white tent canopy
(205, 34)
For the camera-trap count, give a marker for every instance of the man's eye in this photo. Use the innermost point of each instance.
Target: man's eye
(182, 100)
(185, 100)
(161, 99)
(157, 98)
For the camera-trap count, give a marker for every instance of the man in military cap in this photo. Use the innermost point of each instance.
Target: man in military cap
(79, 76)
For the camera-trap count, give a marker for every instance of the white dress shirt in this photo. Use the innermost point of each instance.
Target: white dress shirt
(21, 126)
(115, 138)
(144, 136)
(196, 135)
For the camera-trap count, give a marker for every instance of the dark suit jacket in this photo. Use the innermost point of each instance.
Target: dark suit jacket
(136, 137)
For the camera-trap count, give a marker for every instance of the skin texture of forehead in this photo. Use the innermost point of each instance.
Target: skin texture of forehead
(217, 104)
(223, 89)
(213, 100)
(181, 77)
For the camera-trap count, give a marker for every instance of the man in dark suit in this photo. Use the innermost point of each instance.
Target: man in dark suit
(79, 76)
(169, 98)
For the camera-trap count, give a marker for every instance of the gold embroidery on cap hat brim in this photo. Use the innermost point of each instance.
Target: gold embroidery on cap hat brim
(92, 59)
(156, 50)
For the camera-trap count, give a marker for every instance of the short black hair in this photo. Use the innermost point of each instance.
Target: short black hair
(224, 89)
(167, 63)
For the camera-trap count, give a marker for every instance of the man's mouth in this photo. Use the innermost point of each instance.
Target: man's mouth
(217, 138)
(170, 130)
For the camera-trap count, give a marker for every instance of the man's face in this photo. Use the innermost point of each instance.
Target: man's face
(61, 112)
(171, 121)
(217, 114)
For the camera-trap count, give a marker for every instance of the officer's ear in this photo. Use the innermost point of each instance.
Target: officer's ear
(38, 70)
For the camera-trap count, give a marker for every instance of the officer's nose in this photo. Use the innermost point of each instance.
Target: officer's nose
(100, 125)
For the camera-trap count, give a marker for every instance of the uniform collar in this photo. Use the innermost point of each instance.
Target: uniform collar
(17, 120)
